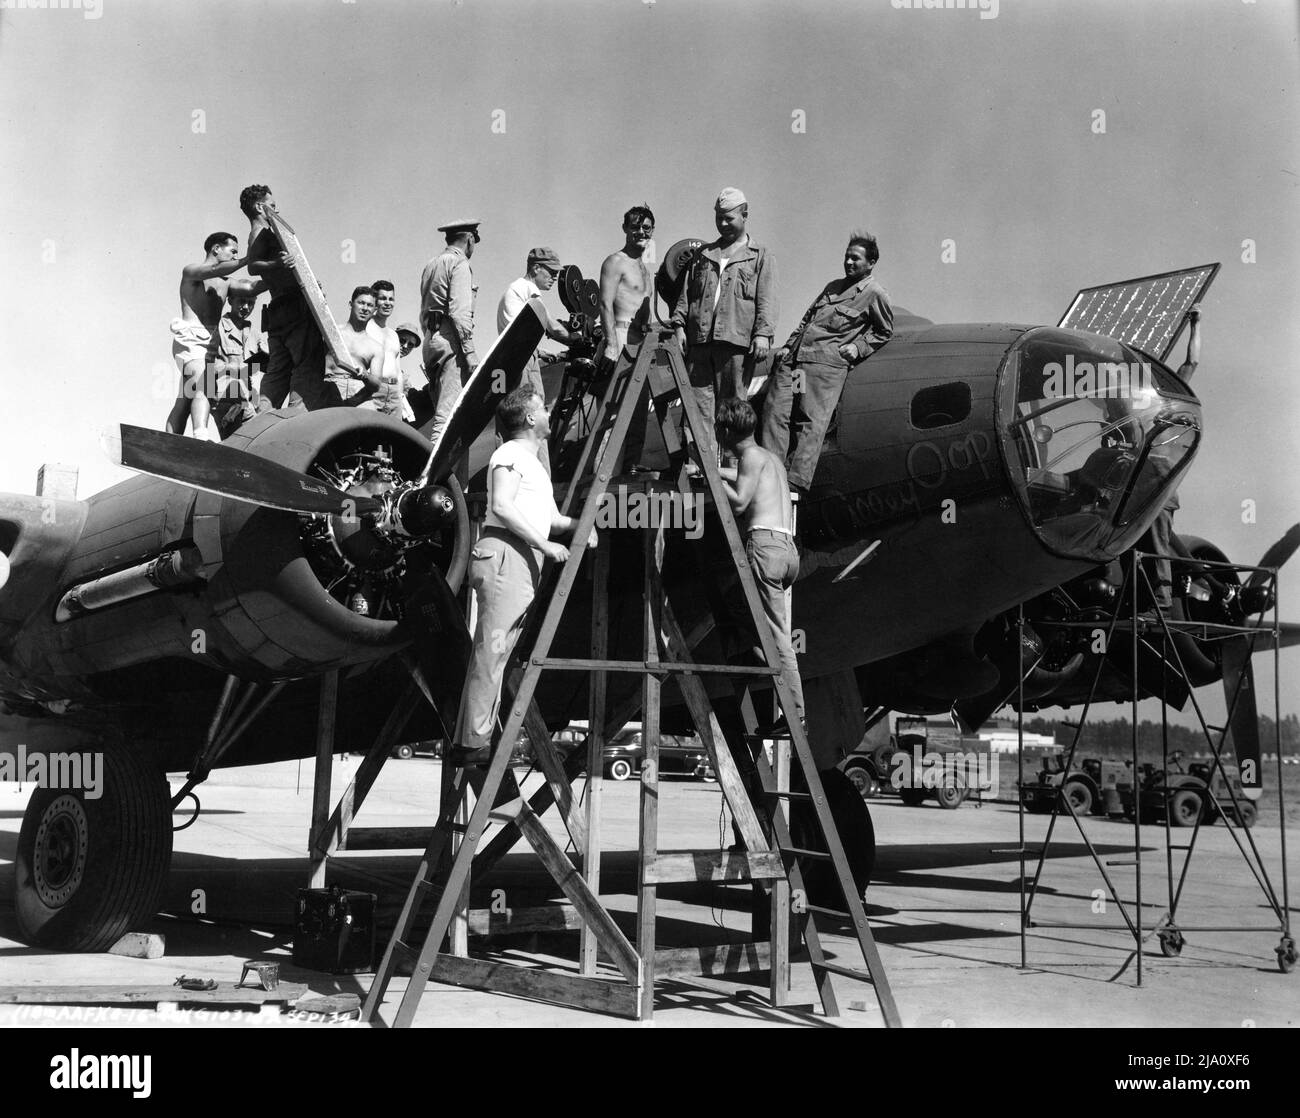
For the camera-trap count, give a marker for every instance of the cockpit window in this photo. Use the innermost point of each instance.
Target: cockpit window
(1098, 433)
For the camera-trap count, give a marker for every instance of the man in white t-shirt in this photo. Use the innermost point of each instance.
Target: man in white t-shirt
(505, 567)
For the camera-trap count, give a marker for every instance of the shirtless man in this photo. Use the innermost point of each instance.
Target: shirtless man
(203, 293)
(341, 388)
(625, 287)
(390, 398)
(759, 495)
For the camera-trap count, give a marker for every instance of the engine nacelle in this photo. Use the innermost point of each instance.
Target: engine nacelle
(273, 594)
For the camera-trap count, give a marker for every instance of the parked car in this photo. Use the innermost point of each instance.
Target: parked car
(682, 754)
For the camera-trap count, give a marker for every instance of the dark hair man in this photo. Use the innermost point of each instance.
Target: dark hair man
(203, 292)
(296, 349)
(506, 563)
(447, 294)
(725, 317)
(759, 495)
(341, 388)
(847, 322)
(391, 395)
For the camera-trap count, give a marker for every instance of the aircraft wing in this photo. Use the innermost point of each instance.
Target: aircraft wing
(1147, 312)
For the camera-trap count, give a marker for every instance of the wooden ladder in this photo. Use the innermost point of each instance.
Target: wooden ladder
(443, 875)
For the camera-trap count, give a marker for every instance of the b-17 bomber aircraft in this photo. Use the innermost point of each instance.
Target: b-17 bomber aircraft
(180, 621)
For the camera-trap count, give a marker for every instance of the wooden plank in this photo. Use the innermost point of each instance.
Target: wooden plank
(598, 994)
(338, 831)
(651, 698)
(678, 866)
(524, 921)
(715, 959)
(389, 838)
(311, 288)
(320, 807)
(588, 945)
(782, 923)
(706, 724)
(611, 938)
(226, 993)
(581, 664)
(552, 767)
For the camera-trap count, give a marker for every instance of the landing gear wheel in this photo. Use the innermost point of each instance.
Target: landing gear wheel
(1171, 942)
(857, 836)
(1247, 813)
(1286, 955)
(1079, 796)
(89, 870)
(619, 770)
(1185, 808)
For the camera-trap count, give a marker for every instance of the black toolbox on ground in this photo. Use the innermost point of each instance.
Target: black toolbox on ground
(334, 931)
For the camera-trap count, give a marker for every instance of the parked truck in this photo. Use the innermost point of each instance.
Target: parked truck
(920, 762)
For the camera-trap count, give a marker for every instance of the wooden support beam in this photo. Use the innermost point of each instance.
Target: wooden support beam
(548, 760)
(598, 994)
(566, 876)
(782, 920)
(524, 921)
(335, 835)
(597, 700)
(712, 960)
(320, 790)
(677, 866)
(651, 695)
(706, 724)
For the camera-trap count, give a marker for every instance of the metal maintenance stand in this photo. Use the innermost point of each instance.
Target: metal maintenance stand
(1152, 642)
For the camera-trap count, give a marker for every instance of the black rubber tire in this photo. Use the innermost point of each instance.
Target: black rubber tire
(858, 836)
(912, 797)
(122, 846)
(619, 769)
(1185, 807)
(864, 780)
(403, 752)
(1079, 795)
(950, 794)
(1247, 813)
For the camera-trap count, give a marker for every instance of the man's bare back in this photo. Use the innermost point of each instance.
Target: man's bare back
(769, 507)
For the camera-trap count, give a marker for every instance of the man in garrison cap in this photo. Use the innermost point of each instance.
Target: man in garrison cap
(725, 317)
(447, 295)
(540, 272)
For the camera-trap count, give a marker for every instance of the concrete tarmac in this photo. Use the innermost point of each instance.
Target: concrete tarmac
(944, 907)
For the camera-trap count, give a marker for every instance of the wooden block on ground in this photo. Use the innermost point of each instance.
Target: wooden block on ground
(140, 945)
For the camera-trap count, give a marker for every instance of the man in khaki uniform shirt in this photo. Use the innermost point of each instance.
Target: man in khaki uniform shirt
(447, 318)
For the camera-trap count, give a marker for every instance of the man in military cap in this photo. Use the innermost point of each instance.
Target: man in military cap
(408, 339)
(725, 317)
(540, 271)
(447, 317)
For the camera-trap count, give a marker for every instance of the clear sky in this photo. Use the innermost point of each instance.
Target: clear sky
(127, 137)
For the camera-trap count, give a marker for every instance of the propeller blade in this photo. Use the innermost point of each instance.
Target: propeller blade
(499, 373)
(1278, 554)
(1243, 713)
(230, 473)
